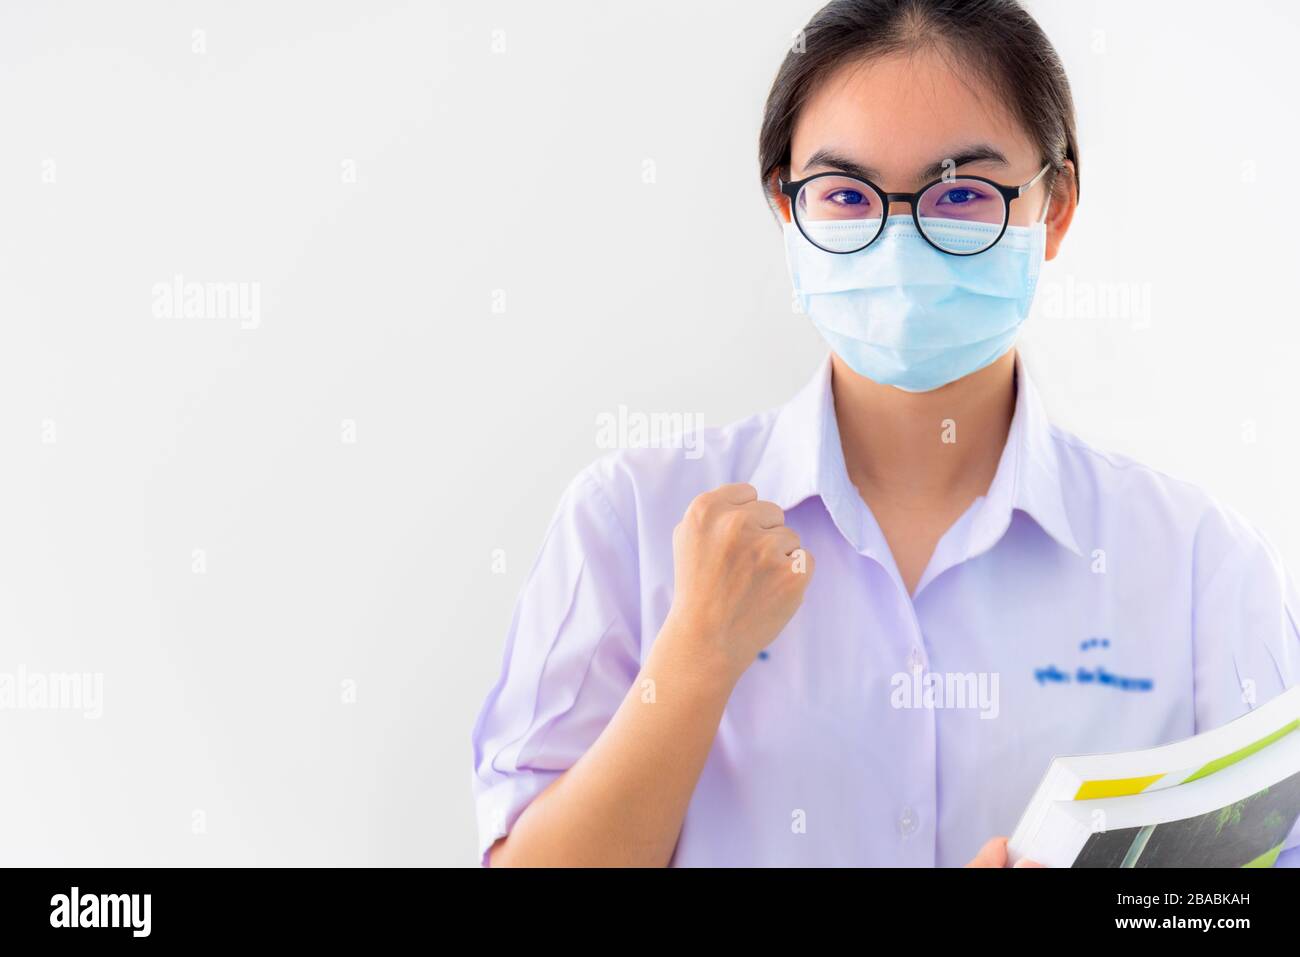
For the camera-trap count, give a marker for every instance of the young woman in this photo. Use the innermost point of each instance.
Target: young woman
(856, 629)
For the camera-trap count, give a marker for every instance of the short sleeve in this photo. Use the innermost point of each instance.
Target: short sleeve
(571, 655)
(1246, 643)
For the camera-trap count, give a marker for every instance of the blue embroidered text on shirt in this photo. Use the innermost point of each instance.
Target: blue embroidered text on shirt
(1099, 676)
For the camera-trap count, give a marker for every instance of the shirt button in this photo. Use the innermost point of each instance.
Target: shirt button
(907, 822)
(915, 660)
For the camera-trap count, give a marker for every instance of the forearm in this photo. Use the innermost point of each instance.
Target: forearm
(623, 802)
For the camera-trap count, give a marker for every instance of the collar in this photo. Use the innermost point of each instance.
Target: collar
(803, 458)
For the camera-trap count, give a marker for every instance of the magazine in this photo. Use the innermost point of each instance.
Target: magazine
(1225, 798)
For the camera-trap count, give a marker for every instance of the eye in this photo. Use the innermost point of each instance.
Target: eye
(959, 196)
(847, 197)
(838, 198)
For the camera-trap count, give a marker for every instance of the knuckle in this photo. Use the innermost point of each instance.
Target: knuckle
(732, 524)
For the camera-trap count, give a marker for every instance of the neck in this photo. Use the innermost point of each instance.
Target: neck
(919, 448)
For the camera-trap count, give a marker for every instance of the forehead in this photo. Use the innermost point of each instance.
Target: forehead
(903, 111)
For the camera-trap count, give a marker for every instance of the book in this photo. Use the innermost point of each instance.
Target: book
(1226, 798)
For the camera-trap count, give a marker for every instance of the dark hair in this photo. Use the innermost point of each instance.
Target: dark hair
(996, 38)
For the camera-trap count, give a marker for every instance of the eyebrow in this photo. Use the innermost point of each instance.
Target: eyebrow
(979, 152)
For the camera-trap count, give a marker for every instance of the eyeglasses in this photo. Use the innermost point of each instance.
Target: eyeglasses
(961, 216)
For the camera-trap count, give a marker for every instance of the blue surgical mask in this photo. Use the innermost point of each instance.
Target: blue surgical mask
(902, 313)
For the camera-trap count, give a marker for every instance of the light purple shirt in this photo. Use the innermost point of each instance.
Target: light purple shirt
(1086, 603)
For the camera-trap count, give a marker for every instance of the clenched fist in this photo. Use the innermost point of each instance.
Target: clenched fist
(739, 576)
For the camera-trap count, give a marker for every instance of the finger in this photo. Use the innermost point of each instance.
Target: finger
(1026, 862)
(737, 493)
(785, 540)
(992, 854)
(767, 514)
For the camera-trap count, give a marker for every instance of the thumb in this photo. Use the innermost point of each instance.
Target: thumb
(992, 854)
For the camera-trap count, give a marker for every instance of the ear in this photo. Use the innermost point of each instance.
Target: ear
(779, 202)
(1065, 199)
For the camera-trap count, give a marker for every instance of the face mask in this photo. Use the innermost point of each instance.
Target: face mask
(904, 314)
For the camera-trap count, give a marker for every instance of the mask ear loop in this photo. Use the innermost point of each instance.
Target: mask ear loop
(1047, 203)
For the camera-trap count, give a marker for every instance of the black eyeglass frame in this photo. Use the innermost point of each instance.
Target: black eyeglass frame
(1009, 194)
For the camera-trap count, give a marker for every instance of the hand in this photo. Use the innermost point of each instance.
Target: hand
(994, 854)
(739, 576)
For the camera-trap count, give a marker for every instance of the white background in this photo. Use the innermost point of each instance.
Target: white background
(518, 176)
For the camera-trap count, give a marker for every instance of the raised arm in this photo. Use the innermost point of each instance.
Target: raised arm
(739, 576)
